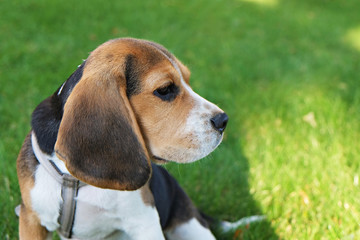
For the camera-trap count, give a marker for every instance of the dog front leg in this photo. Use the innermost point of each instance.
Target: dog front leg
(148, 234)
(191, 230)
(30, 227)
(145, 226)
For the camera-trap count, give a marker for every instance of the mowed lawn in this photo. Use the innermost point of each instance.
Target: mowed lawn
(286, 72)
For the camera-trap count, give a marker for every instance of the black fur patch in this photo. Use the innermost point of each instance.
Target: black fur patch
(131, 76)
(172, 203)
(47, 115)
(70, 84)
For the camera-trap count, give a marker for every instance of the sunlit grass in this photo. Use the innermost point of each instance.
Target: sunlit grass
(309, 157)
(266, 3)
(352, 37)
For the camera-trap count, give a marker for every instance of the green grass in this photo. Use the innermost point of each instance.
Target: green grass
(286, 72)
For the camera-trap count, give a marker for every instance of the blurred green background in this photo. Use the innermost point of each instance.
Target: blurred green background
(286, 72)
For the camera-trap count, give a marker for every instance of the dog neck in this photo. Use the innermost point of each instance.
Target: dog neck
(69, 186)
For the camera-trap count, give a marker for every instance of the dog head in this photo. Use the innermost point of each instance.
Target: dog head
(134, 103)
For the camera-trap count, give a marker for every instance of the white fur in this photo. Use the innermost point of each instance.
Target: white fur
(190, 230)
(100, 213)
(106, 214)
(61, 88)
(199, 125)
(46, 198)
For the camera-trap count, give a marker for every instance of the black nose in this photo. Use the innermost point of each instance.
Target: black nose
(219, 122)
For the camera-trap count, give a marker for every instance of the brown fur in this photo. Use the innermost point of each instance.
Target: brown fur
(159, 131)
(147, 195)
(29, 223)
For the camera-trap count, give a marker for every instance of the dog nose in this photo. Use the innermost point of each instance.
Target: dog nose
(219, 122)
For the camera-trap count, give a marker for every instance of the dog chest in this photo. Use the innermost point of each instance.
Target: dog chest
(100, 213)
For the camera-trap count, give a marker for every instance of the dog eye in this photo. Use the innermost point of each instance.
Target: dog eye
(167, 93)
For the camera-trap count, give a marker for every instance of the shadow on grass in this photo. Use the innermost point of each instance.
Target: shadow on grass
(235, 198)
(219, 187)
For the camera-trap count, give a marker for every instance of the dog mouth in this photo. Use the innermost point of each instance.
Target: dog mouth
(192, 153)
(181, 156)
(160, 160)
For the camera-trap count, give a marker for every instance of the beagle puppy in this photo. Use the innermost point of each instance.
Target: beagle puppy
(128, 105)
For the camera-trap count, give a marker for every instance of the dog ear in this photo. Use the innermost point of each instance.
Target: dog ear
(99, 138)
